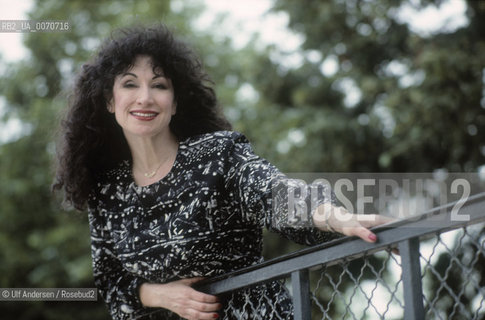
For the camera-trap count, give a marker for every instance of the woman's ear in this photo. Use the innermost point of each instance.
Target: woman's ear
(174, 107)
(110, 106)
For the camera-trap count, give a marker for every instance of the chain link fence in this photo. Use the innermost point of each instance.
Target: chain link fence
(358, 281)
(453, 270)
(453, 281)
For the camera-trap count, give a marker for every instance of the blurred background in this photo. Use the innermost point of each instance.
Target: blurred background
(317, 86)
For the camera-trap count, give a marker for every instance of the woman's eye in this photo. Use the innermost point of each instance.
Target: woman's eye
(160, 86)
(128, 85)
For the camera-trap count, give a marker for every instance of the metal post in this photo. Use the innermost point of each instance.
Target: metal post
(411, 278)
(301, 294)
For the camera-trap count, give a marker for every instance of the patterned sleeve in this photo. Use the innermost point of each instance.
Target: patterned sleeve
(268, 198)
(118, 288)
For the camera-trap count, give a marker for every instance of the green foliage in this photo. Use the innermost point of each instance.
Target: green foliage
(429, 116)
(420, 105)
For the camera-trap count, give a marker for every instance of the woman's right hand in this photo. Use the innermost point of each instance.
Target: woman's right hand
(179, 297)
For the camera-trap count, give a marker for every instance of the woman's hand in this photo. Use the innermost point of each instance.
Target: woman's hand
(338, 219)
(179, 297)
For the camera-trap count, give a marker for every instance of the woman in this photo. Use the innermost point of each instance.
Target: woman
(172, 195)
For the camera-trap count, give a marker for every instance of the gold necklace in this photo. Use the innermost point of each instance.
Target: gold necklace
(151, 174)
(154, 172)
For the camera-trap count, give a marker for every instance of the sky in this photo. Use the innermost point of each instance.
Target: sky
(11, 47)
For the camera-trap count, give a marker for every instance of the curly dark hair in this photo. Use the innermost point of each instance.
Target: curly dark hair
(91, 141)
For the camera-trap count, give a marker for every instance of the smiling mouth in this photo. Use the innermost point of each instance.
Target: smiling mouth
(144, 115)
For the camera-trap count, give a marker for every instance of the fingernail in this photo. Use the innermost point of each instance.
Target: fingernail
(215, 316)
(372, 237)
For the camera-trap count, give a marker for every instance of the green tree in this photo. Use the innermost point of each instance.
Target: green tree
(416, 103)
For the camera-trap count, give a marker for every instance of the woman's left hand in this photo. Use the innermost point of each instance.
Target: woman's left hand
(338, 219)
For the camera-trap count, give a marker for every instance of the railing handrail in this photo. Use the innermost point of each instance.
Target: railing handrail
(432, 221)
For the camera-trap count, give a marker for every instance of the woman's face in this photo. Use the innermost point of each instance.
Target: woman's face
(143, 102)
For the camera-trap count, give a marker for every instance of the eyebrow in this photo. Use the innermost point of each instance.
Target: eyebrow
(134, 75)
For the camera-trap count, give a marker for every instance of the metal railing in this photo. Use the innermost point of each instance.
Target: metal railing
(438, 274)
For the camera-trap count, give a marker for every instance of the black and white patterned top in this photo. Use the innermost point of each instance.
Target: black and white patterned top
(204, 218)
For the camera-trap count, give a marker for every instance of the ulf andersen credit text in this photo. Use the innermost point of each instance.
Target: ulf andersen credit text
(50, 294)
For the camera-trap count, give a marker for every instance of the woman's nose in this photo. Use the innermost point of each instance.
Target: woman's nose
(144, 96)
